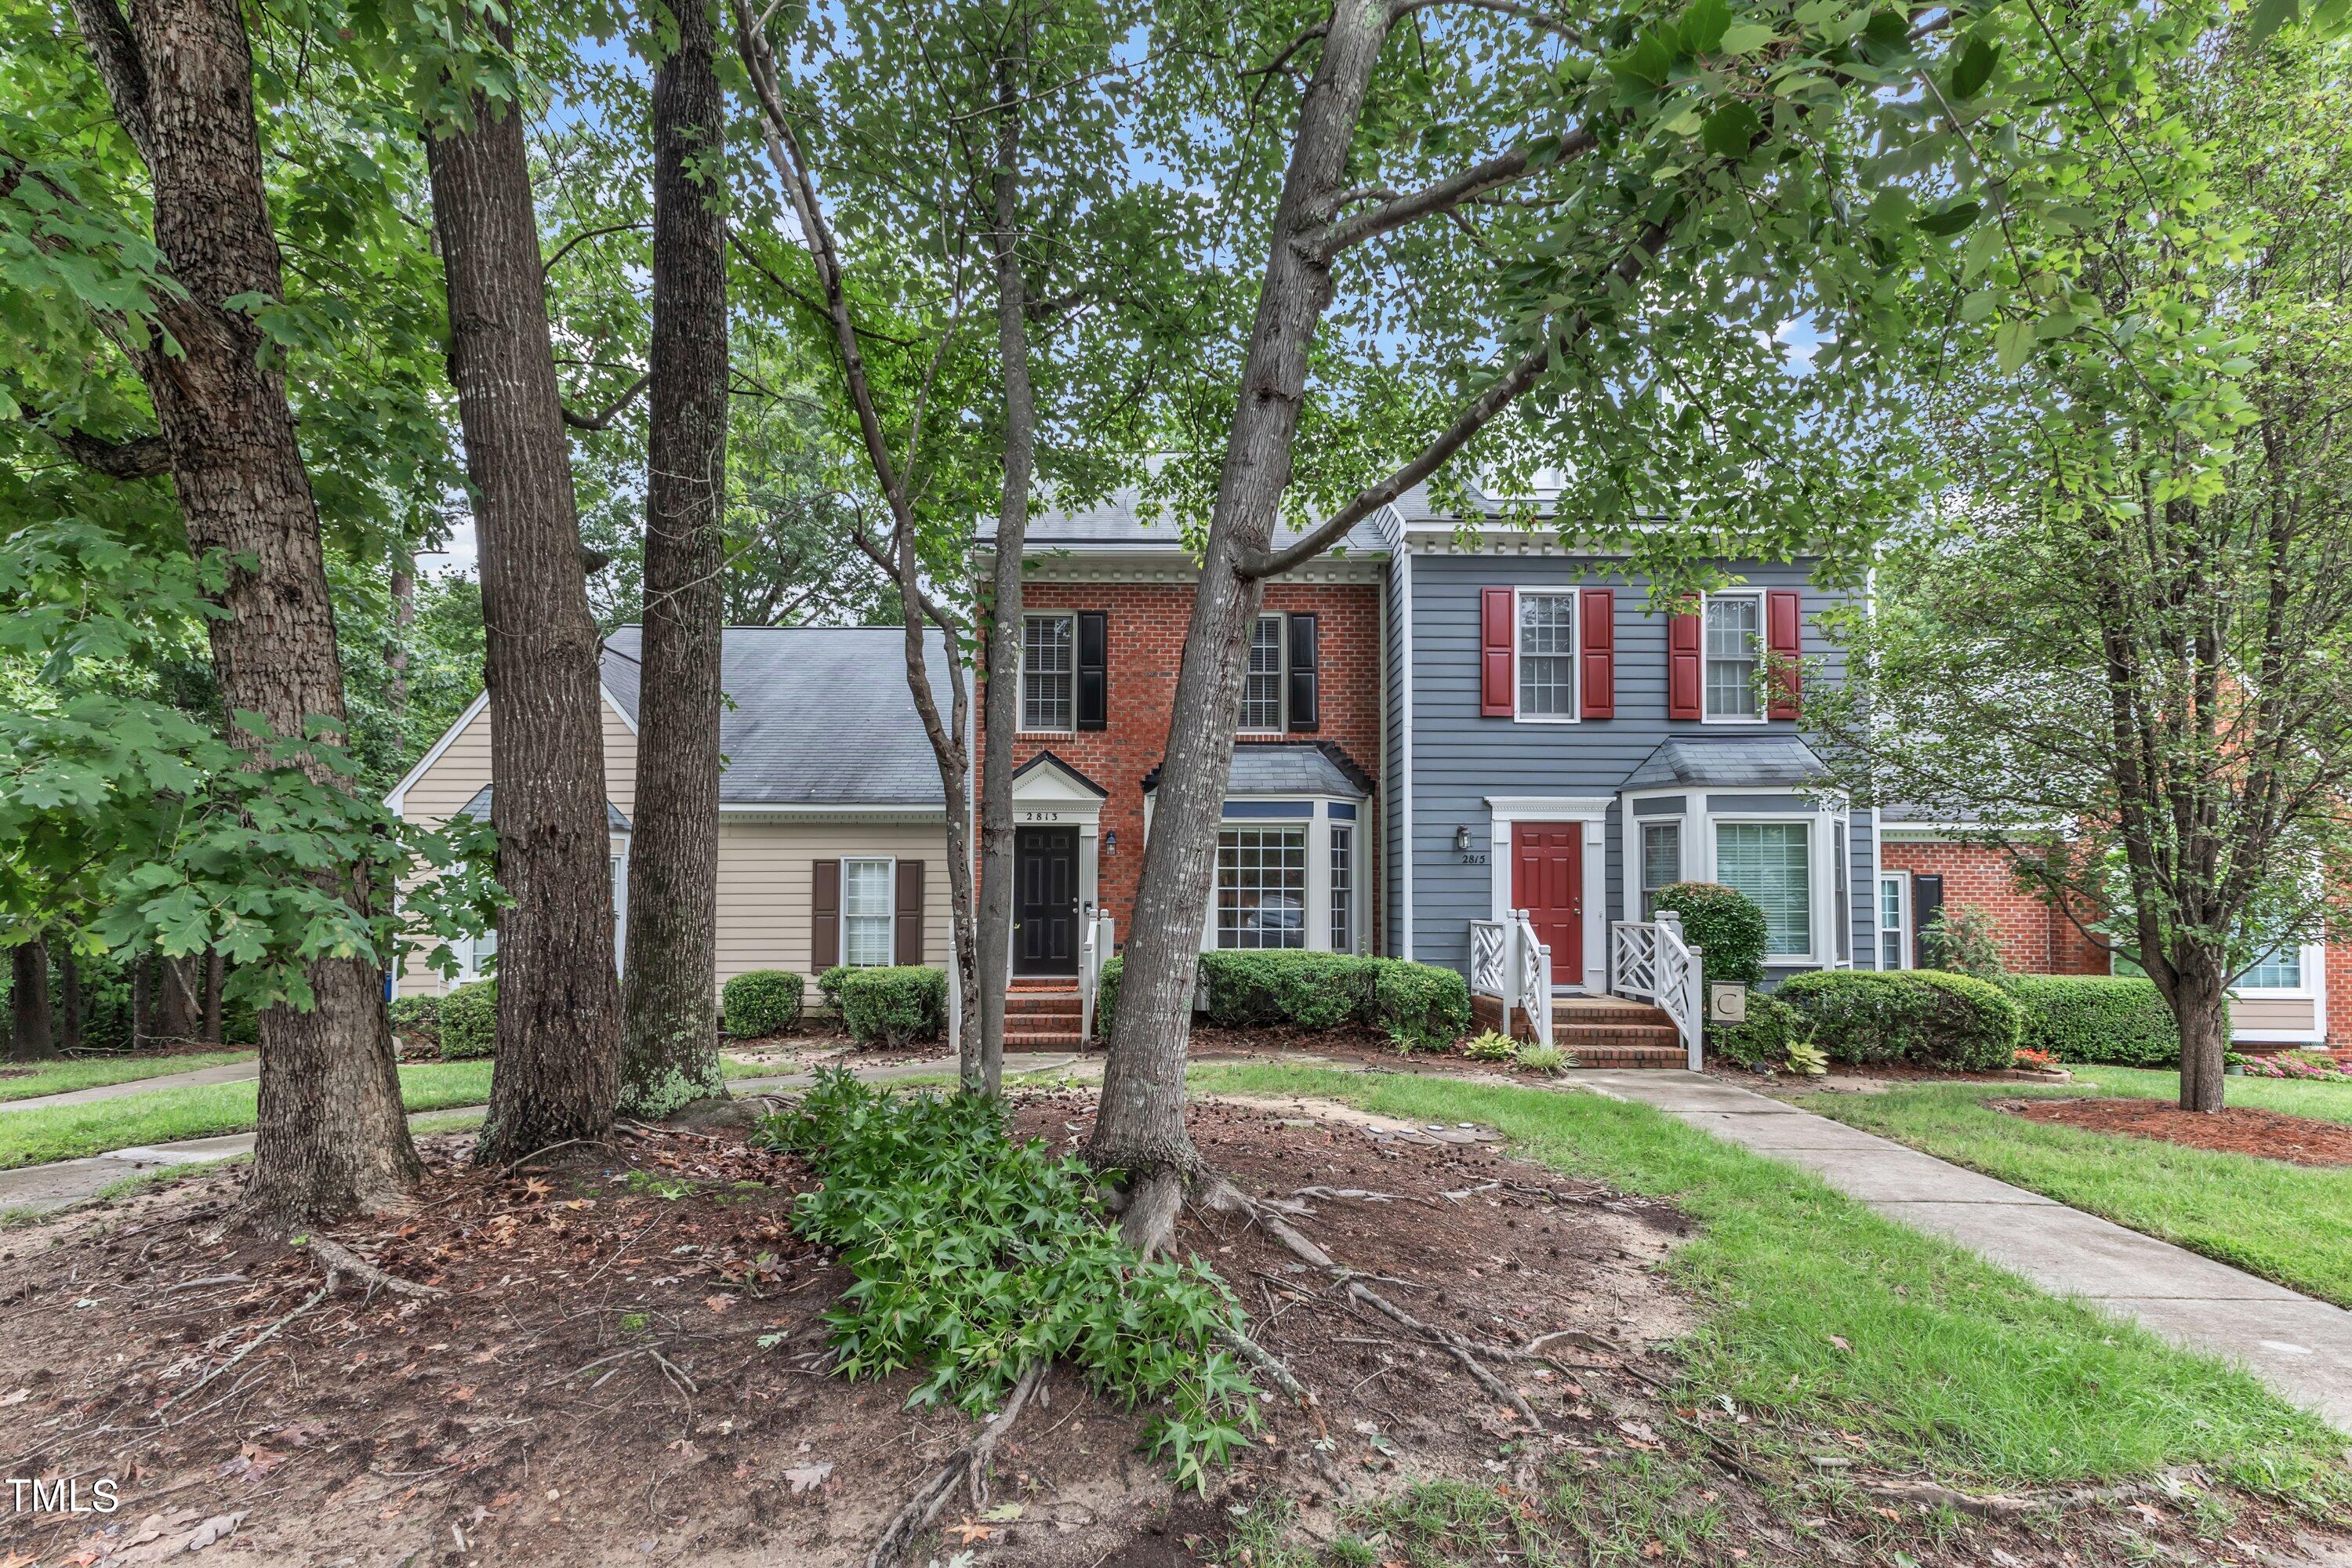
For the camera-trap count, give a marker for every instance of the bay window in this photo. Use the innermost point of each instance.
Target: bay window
(1262, 887)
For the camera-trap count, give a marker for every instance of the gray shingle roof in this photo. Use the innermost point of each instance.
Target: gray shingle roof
(818, 715)
(1775, 762)
(478, 808)
(1289, 767)
(1118, 521)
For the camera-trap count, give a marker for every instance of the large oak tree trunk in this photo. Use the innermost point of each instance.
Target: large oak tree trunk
(331, 1139)
(557, 1072)
(669, 1043)
(1140, 1126)
(29, 1039)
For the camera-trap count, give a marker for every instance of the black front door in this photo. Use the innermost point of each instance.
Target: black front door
(1045, 900)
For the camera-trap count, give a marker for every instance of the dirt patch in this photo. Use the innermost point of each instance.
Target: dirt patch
(2238, 1130)
(820, 1045)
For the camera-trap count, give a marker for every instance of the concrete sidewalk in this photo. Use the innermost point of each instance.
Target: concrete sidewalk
(38, 1189)
(2301, 1347)
(196, 1078)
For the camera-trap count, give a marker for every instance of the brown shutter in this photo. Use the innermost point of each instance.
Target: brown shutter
(1784, 633)
(825, 915)
(906, 937)
(1496, 678)
(1596, 630)
(1093, 670)
(1306, 678)
(1684, 674)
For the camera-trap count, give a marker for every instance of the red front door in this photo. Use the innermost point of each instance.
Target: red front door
(1548, 881)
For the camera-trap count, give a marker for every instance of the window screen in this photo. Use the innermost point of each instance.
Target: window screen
(1768, 862)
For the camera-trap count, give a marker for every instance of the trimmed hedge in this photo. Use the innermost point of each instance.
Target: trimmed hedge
(902, 1004)
(1925, 1017)
(1107, 995)
(469, 1021)
(761, 1002)
(417, 1016)
(1423, 1001)
(1764, 1039)
(1725, 924)
(2108, 1018)
(1317, 990)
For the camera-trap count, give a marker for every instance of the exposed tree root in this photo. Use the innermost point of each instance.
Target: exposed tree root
(1149, 1221)
(341, 1260)
(968, 1466)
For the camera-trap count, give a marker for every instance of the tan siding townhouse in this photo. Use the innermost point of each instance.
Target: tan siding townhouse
(832, 834)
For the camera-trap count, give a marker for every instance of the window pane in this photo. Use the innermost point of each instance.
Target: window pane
(1048, 662)
(1661, 862)
(1262, 887)
(1262, 691)
(1732, 625)
(1343, 890)
(2282, 969)
(1548, 656)
(1890, 923)
(865, 911)
(1768, 861)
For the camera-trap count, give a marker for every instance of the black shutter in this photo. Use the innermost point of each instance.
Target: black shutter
(1093, 670)
(1926, 903)
(1306, 711)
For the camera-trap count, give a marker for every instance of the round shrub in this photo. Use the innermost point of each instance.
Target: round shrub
(418, 1018)
(2108, 1018)
(902, 1004)
(1107, 995)
(1726, 924)
(469, 1021)
(1763, 1040)
(1922, 1017)
(1420, 1002)
(1311, 990)
(761, 1002)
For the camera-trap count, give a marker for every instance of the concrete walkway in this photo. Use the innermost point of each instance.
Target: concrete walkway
(228, 1072)
(39, 1189)
(2301, 1347)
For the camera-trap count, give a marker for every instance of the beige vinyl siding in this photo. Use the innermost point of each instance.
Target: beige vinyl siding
(2271, 1015)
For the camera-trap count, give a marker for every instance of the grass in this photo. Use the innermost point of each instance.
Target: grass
(96, 1072)
(2289, 1097)
(1946, 1358)
(2292, 1224)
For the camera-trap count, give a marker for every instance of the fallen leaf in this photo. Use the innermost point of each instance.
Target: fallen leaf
(967, 1532)
(1841, 1341)
(1002, 1513)
(18, 1397)
(808, 1477)
(719, 1303)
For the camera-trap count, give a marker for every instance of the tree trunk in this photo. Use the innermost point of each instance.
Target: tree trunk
(1002, 715)
(2200, 994)
(395, 652)
(69, 992)
(557, 1071)
(29, 1039)
(330, 1137)
(182, 1006)
(669, 1024)
(216, 977)
(140, 1032)
(1139, 1128)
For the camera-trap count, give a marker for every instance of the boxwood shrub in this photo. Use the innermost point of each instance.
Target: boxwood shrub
(1727, 925)
(1428, 1004)
(2110, 1018)
(1764, 1039)
(1324, 990)
(1924, 1017)
(416, 1018)
(899, 1005)
(1107, 995)
(469, 1021)
(761, 1002)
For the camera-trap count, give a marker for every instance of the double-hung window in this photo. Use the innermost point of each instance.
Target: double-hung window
(1895, 921)
(1771, 862)
(1546, 655)
(1661, 862)
(1262, 688)
(1343, 889)
(2281, 969)
(1733, 653)
(1049, 673)
(1262, 887)
(866, 908)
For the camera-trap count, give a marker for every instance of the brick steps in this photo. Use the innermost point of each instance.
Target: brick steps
(1041, 1014)
(1599, 1031)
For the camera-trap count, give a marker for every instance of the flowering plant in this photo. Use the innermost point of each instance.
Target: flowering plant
(2308, 1066)
(2034, 1060)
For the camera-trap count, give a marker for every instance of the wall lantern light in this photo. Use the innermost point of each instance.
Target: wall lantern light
(1462, 838)
(1110, 842)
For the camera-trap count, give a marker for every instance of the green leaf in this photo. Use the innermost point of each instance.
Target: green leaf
(1975, 69)
(1647, 61)
(1703, 25)
(1732, 130)
(2012, 345)
(1745, 38)
(1980, 305)
(2268, 17)
(1951, 220)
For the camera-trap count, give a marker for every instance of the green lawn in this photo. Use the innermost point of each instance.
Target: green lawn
(95, 1072)
(2328, 1101)
(1950, 1359)
(2288, 1223)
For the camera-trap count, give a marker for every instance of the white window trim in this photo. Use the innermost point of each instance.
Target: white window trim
(890, 919)
(1637, 853)
(1021, 673)
(1282, 673)
(1763, 714)
(1317, 829)
(1575, 656)
(2314, 962)
(1903, 932)
(1818, 870)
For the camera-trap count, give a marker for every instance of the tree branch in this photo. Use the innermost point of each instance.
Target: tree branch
(116, 53)
(141, 457)
(1446, 194)
(603, 420)
(564, 249)
(1501, 8)
(1472, 420)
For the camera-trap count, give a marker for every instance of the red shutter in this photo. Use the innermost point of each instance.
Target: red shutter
(1596, 627)
(1784, 633)
(1496, 678)
(1683, 669)
(825, 915)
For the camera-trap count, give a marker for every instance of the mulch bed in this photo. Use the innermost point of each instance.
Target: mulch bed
(2238, 1130)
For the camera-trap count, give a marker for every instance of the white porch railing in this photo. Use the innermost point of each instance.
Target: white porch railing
(1650, 959)
(1094, 951)
(1509, 964)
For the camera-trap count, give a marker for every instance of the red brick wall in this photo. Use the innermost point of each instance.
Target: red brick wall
(1147, 622)
(2339, 989)
(2035, 938)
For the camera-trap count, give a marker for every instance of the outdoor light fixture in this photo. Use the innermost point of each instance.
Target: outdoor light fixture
(1110, 842)
(1462, 838)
